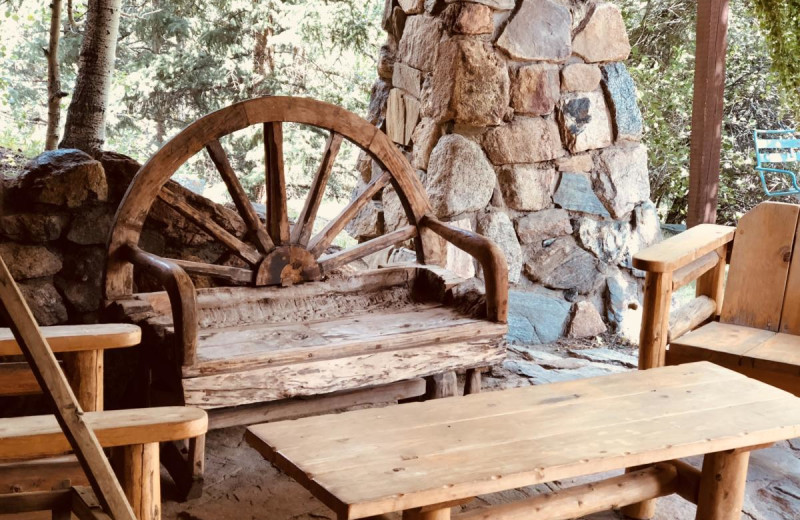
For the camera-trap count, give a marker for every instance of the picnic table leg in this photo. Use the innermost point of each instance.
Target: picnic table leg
(427, 514)
(722, 485)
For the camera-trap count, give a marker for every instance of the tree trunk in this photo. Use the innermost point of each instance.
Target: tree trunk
(86, 116)
(54, 93)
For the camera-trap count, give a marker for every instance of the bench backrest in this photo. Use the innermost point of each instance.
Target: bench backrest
(763, 285)
(776, 146)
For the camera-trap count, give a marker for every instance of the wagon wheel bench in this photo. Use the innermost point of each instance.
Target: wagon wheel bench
(423, 458)
(290, 322)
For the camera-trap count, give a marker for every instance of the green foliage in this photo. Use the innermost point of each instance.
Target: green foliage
(780, 20)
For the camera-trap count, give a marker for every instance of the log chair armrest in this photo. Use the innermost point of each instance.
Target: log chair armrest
(681, 250)
(488, 254)
(182, 297)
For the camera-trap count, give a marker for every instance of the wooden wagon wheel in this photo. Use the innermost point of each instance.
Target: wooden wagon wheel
(278, 253)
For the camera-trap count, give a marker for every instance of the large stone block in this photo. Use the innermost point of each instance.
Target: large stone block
(584, 121)
(460, 179)
(536, 317)
(91, 226)
(535, 89)
(412, 6)
(499, 5)
(535, 228)
(621, 94)
(407, 78)
(474, 19)
(524, 140)
(470, 84)
(580, 77)
(562, 265)
(368, 223)
(33, 227)
(424, 137)
(62, 178)
(609, 240)
(623, 305)
(394, 215)
(402, 115)
(44, 301)
(622, 181)
(540, 31)
(586, 321)
(28, 261)
(575, 163)
(419, 42)
(498, 227)
(527, 188)
(602, 37)
(575, 193)
(458, 261)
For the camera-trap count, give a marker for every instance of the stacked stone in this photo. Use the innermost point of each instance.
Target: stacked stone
(522, 122)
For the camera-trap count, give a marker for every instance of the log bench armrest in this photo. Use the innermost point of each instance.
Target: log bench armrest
(488, 254)
(181, 292)
(681, 250)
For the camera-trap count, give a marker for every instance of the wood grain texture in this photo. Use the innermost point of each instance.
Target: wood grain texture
(84, 371)
(75, 338)
(277, 212)
(722, 484)
(691, 272)
(655, 319)
(690, 315)
(683, 249)
(329, 263)
(790, 314)
(17, 379)
(140, 476)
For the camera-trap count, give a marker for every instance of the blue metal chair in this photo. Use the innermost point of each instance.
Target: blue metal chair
(777, 147)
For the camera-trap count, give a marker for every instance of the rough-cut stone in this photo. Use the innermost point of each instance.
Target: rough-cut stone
(540, 30)
(459, 262)
(424, 137)
(536, 317)
(376, 112)
(603, 36)
(608, 240)
(607, 355)
(623, 305)
(585, 124)
(91, 226)
(498, 227)
(412, 6)
(622, 181)
(575, 193)
(368, 223)
(402, 115)
(535, 89)
(386, 59)
(499, 5)
(407, 78)
(61, 178)
(562, 265)
(524, 140)
(527, 188)
(575, 163)
(470, 84)
(460, 179)
(120, 170)
(580, 77)
(44, 301)
(537, 227)
(394, 216)
(474, 19)
(621, 94)
(33, 227)
(586, 323)
(29, 261)
(419, 42)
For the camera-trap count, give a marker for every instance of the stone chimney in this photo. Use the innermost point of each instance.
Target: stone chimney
(521, 120)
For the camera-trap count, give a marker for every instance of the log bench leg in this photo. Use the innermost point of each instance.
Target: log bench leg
(84, 371)
(722, 485)
(643, 510)
(139, 474)
(423, 514)
(473, 382)
(441, 385)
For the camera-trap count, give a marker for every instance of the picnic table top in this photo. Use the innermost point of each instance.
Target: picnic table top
(375, 461)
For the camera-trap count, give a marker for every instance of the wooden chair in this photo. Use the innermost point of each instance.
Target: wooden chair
(291, 323)
(755, 328)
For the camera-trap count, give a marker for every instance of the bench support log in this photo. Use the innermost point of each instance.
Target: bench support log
(722, 484)
(422, 514)
(441, 385)
(139, 472)
(84, 371)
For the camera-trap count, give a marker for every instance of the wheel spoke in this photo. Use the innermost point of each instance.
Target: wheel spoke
(301, 232)
(277, 215)
(246, 210)
(331, 262)
(321, 242)
(242, 249)
(224, 272)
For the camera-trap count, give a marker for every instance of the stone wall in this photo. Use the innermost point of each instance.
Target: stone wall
(521, 120)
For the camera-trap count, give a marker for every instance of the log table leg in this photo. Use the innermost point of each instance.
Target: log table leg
(84, 371)
(139, 474)
(427, 514)
(722, 485)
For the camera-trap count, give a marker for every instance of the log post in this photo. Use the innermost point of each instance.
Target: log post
(655, 320)
(139, 473)
(472, 385)
(441, 385)
(423, 514)
(84, 371)
(722, 484)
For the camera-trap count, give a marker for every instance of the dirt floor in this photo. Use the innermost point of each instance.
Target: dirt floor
(240, 485)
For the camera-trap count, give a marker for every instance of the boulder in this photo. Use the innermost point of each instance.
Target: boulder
(368, 223)
(623, 305)
(459, 262)
(526, 187)
(412, 6)
(474, 19)
(523, 140)
(91, 226)
(30, 261)
(536, 317)
(562, 265)
(424, 137)
(407, 78)
(460, 179)
(575, 193)
(386, 60)
(622, 181)
(62, 178)
(419, 42)
(402, 115)
(535, 89)
(44, 301)
(394, 216)
(470, 84)
(575, 163)
(584, 121)
(498, 227)
(120, 170)
(33, 227)
(621, 95)
(498, 5)
(586, 322)
(602, 37)
(608, 240)
(535, 228)
(580, 77)
(646, 231)
(539, 31)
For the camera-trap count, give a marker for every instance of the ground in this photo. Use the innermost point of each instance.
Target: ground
(240, 485)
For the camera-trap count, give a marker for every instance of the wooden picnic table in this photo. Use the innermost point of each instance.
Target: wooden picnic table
(422, 458)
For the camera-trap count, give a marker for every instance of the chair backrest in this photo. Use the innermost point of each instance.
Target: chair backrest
(763, 285)
(776, 146)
